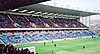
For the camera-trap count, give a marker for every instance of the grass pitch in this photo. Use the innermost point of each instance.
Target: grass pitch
(67, 47)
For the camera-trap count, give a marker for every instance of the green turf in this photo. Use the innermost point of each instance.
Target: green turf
(67, 47)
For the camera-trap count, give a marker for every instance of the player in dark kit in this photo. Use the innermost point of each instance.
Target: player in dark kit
(44, 43)
(83, 47)
(55, 45)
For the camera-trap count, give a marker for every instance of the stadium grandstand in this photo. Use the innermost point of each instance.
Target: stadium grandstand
(26, 22)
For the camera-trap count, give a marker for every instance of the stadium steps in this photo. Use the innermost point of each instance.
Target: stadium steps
(52, 23)
(26, 18)
(42, 22)
(10, 18)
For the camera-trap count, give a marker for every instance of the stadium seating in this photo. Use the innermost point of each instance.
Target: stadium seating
(9, 38)
(1, 42)
(13, 39)
(5, 22)
(21, 21)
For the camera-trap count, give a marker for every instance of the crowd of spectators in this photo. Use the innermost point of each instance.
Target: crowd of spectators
(10, 49)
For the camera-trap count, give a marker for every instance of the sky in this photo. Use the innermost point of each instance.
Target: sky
(89, 5)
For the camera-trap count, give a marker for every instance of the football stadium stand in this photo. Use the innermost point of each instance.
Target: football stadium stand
(19, 28)
(38, 23)
(19, 21)
(27, 37)
(40, 28)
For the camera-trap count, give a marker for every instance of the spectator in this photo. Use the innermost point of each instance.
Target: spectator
(1, 49)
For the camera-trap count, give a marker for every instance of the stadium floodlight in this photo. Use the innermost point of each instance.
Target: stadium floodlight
(60, 14)
(64, 15)
(70, 15)
(73, 16)
(38, 12)
(23, 11)
(45, 13)
(15, 10)
(31, 12)
(50, 13)
(55, 14)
